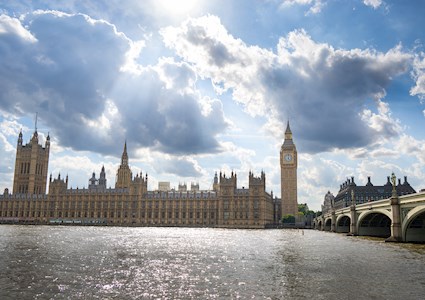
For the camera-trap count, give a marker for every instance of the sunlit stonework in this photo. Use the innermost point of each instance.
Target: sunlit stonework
(130, 203)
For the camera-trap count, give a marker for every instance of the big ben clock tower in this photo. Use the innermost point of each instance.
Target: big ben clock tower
(288, 175)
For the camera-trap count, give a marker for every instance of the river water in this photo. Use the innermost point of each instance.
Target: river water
(54, 262)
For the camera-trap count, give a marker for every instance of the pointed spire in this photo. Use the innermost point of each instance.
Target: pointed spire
(124, 158)
(20, 140)
(288, 143)
(34, 138)
(288, 132)
(35, 125)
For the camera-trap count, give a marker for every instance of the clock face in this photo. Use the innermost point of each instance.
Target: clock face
(288, 157)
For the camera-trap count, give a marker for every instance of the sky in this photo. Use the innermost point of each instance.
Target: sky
(196, 87)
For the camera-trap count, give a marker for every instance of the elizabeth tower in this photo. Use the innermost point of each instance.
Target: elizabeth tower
(288, 175)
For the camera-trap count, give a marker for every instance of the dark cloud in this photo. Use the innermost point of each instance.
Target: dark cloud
(70, 73)
(323, 91)
(165, 119)
(179, 166)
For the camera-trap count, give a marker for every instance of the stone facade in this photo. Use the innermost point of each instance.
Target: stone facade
(31, 166)
(366, 193)
(288, 166)
(130, 203)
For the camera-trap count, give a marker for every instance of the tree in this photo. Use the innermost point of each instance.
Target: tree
(287, 219)
(303, 208)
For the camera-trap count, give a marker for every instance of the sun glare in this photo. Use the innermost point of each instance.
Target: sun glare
(176, 7)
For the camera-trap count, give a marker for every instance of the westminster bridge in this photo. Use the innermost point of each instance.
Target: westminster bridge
(399, 219)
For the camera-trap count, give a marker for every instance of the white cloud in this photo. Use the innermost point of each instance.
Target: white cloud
(418, 75)
(323, 89)
(315, 5)
(382, 122)
(373, 3)
(410, 146)
(13, 27)
(84, 78)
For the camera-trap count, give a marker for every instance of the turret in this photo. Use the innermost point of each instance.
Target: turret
(216, 185)
(92, 181)
(228, 182)
(58, 186)
(47, 145)
(20, 140)
(257, 181)
(34, 139)
(102, 178)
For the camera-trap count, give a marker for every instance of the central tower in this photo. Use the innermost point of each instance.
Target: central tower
(31, 165)
(288, 175)
(124, 174)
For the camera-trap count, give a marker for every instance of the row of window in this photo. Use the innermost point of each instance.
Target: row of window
(25, 168)
(78, 214)
(105, 204)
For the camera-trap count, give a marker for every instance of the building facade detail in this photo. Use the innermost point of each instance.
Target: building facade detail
(350, 193)
(288, 177)
(130, 203)
(31, 166)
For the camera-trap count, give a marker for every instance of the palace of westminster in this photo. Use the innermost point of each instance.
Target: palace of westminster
(130, 203)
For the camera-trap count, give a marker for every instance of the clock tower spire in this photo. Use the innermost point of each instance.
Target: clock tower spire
(288, 174)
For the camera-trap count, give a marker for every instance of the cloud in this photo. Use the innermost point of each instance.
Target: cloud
(81, 74)
(418, 74)
(182, 166)
(12, 28)
(9, 128)
(322, 90)
(382, 122)
(315, 5)
(373, 3)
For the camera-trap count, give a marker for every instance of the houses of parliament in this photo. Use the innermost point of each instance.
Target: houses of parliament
(130, 203)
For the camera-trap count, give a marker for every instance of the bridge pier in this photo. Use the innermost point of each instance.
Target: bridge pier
(333, 222)
(353, 222)
(396, 233)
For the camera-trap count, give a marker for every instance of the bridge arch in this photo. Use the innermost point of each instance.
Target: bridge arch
(328, 224)
(413, 227)
(375, 223)
(320, 225)
(343, 223)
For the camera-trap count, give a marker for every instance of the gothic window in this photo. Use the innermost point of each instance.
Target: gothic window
(226, 204)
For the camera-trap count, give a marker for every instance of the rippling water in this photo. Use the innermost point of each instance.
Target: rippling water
(48, 262)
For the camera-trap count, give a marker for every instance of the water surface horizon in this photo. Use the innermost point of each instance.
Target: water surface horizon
(67, 262)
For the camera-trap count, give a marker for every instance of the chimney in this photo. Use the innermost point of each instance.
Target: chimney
(405, 180)
(352, 179)
(399, 181)
(369, 183)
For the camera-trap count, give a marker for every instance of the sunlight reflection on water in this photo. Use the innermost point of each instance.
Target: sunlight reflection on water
(44, 262)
